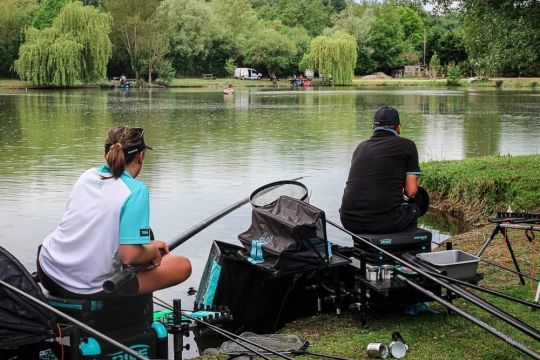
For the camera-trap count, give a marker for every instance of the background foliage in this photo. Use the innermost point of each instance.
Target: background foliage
(163, 38)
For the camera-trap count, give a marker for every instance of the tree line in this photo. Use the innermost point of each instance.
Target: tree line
(61, 42)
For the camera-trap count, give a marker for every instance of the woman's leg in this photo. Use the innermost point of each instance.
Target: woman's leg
(173, 270)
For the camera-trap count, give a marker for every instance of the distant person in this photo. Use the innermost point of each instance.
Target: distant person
(229, 90)
(106, 227)
(382, 194)
(123, 79)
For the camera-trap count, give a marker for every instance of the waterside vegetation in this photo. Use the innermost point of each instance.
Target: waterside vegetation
(479, 187)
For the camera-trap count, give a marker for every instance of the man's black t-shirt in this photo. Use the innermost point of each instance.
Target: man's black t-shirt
(374, 190)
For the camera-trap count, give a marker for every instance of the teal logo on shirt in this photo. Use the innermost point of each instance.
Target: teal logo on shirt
(144, 232)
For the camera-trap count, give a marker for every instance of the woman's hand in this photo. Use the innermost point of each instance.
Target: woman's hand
(161, 248)
(150, 253)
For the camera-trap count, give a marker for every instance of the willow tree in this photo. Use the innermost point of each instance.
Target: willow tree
(333, 57)
(75, 48)
(90, 27)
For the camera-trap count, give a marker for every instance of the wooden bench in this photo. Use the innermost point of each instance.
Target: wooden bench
(208, 76)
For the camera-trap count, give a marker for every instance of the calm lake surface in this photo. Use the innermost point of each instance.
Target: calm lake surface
(212, 150)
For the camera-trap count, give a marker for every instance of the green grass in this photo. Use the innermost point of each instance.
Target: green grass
(358, 82)
(485, 185)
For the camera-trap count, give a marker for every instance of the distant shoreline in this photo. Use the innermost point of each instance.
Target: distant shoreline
(503, 83)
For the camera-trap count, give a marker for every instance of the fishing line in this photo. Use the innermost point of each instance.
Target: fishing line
(231, 336)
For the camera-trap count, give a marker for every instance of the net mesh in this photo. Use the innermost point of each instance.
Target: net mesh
(268, 195)
(282, 343)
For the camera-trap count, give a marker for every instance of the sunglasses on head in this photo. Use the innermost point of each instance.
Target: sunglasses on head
(140, 146)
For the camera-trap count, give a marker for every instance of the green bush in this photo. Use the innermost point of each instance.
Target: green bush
(453, 75)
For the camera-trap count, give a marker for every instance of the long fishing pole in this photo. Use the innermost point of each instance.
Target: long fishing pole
(471, 318)
(76, 322)
(480, 302)
(478, 322)
(510, 270)
(121, 278)
(496, 265)
(228, 334)
(486, 290)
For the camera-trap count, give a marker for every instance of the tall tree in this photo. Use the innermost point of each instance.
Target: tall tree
(445, 36)
(236, 21)
(91, 28)
(76, 47)
(387, 40)
(501, 36)
(15, 15)
(192, 29)
(131, 28)
(269, 48)
(357, 20)
(333, 57)
(156, 46)
(46, 11)
(314, 15)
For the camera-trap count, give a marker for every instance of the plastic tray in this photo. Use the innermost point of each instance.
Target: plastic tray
(457, 264)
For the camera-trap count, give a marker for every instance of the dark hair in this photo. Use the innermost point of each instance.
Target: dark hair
(122, 145)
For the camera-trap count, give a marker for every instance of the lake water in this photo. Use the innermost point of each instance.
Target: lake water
(212, 150)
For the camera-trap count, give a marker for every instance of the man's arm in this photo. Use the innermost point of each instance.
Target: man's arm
(411, 185)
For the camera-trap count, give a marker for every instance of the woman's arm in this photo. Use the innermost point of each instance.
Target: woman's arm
(143, 254)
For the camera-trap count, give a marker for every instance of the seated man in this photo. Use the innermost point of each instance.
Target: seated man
(380, 192)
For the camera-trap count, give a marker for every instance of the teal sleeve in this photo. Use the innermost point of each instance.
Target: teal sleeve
(135, 218)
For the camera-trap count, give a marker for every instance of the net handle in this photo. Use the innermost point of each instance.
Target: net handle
(274, 184)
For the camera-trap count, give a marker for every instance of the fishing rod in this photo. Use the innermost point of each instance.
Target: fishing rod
(471, 318)
(510, 270)
(478, 322)
(480, 302)
(231, 336)
(75, 321)
(495, 264)
(486, 290)
(121, 278)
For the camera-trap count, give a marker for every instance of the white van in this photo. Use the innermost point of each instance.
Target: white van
(247, 74)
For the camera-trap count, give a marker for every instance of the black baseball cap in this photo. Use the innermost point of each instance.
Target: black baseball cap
(386, 116)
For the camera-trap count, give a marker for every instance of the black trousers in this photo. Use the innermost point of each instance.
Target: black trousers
(408, 214)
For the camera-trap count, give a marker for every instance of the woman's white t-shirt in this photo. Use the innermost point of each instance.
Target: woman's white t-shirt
(101, 214)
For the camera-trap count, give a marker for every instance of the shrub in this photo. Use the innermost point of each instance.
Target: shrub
(453, 75)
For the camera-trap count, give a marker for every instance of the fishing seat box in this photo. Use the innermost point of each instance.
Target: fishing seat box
(128, 320)
(412, 240)
(258, 301)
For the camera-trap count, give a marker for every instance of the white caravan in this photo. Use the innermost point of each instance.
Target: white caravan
(247, 74)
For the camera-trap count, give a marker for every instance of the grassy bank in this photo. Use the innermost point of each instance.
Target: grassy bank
(478, 187)
(483, 183)
(510, 83)
(507, 83)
